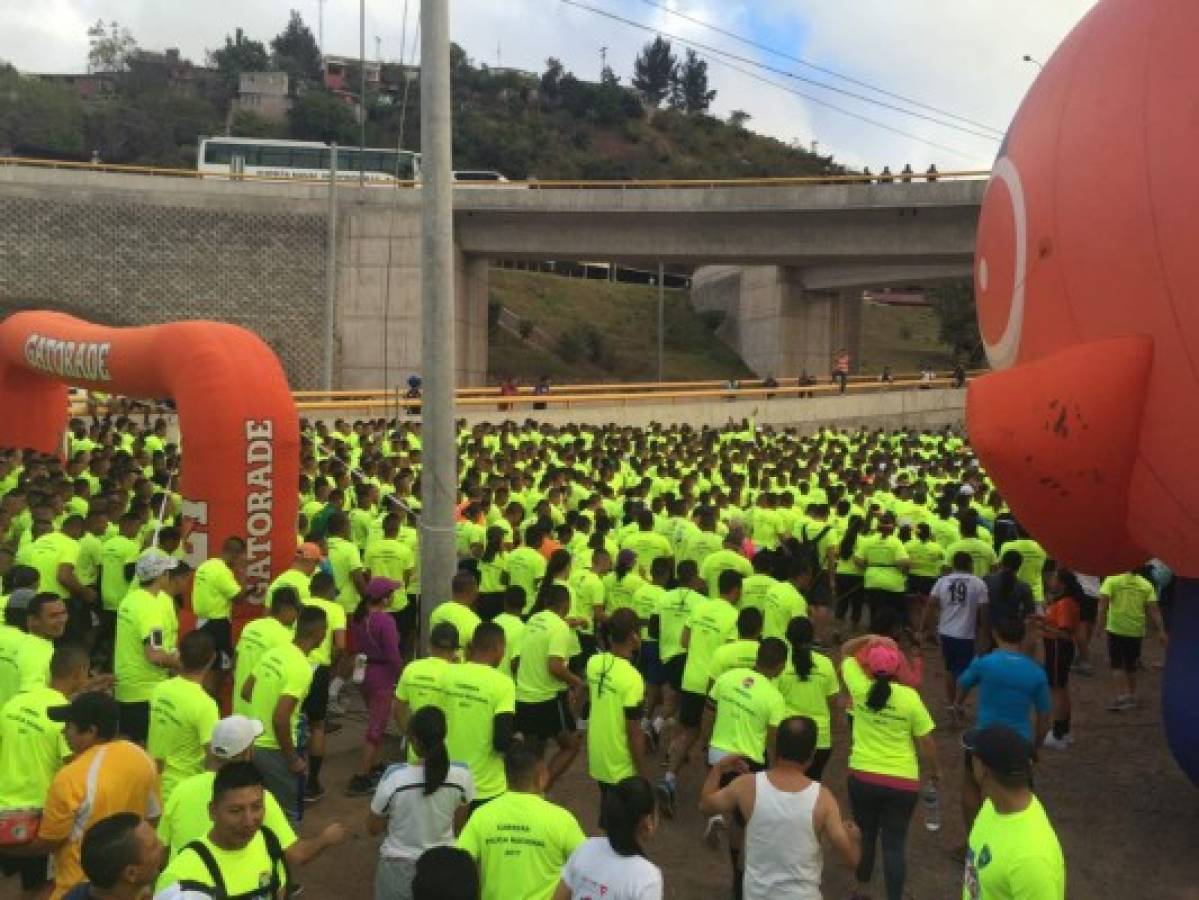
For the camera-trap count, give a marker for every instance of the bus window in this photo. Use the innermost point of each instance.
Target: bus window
(217, 154)
(347, 160)
(275, 157)
(308, 159)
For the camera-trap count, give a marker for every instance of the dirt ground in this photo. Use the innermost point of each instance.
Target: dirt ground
(1127, 818)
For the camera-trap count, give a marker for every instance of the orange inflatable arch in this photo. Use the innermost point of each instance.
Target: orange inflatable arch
(237, 420)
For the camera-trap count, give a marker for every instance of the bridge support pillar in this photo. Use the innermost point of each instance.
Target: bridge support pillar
(785, 330)
(378, 326)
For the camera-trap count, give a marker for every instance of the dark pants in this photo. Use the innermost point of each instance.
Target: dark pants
(895, 601)
(849, 597)
(842, 379)
(886, 811)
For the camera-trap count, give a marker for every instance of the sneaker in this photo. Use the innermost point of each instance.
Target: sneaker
(652, 735)
(1129, 702)
(313, 793)
(1068, 739)
(335, 708)
(360, 786)
(715, 828)
(1083, 668)
(1055, 743)
(667, 794)
(1117, 705)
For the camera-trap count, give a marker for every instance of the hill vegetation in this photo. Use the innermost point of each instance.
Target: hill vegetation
(141, 107)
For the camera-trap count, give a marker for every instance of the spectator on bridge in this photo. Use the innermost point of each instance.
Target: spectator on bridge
(805, 380)
(507, 389)
(959, 375)
(931, 174)
(869, 175)
(541, 389)
(770, 382)
(926, 376)
(413, 393)
(906, 173)
(886, 377)
(885, 176)
(841, 368)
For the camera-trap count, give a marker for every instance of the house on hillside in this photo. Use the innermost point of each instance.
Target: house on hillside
(264, 94)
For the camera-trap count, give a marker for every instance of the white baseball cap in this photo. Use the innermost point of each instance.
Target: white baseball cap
(153, 563)
(233, 736)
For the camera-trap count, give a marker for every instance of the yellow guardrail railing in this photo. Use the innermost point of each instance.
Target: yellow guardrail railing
(348, 178)
(624, 398)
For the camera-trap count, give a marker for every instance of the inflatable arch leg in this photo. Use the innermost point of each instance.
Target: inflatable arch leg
(237, 419)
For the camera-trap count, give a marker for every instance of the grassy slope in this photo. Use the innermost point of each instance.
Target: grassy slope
(626, 315)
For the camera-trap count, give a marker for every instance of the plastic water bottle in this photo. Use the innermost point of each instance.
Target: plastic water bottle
(359, 675)
(931, 800)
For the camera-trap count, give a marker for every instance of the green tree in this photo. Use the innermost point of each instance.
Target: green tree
(693, 84)
(247, 123)
(38, 118)
(551, 80)
(109, 48)
(655, 71)
(738, 118)
(294, 51)
(958, 320)
(240, 54)
(319, 115)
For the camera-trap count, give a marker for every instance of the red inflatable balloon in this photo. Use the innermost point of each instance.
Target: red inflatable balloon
(1087, 273)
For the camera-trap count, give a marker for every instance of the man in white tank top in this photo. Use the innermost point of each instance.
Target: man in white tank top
(787, 814)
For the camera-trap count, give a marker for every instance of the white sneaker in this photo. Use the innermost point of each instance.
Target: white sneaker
(713, 831)
(1055, 743)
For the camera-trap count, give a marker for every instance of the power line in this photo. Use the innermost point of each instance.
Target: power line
(815, 67)
(994, 138)
(782, 87)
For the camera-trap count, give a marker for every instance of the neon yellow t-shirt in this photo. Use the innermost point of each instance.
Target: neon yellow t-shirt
(185, 817)
(615, 687)
(648, 546)
(182, 717)
(883, 740)
(587, 592)
(344, 560)
(115, 553)
(546, 634)
(674, 611)
(32, 748)
(645, 604)
(712, 623)
(784, 602)
(144, 618)
(282, 672)
(882, 555)
(472, 695)
(619, 592)
(520, 842)
(748, 705)
(493, 573)
(420, 682)
(754, 590)
(213, 590)
(514, 629)
(11, 640)
(48, 553)
(256, 638)
(723, 560)
(1014, 856)
(33, 662)
(1128, 595)
(245, 871)
(292, 578)
(526, 568)
(391, 558)
(87, 562)
(461, 616)
(1032, 566)
(982, 553)
(927, 557)
(811, 698)
(335, 620)
(739, 654)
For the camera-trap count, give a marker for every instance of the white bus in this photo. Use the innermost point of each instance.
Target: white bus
(265, 158)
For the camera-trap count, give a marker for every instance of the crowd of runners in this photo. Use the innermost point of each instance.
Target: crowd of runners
(688, 610)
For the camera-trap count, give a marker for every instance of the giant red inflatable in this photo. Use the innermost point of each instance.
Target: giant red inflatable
(1087, 279)
(237, 419)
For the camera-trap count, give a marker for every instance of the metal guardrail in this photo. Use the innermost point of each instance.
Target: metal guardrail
(611, 184)
(507, 403)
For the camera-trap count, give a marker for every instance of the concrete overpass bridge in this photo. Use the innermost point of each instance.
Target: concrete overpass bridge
(307, 266)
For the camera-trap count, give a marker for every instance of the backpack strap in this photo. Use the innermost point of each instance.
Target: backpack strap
(217, 889)
(274, 850)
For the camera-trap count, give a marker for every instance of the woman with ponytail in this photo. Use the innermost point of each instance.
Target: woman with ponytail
(809, 686)
(418, 805)
(493, 575)
(617, 862)
(890, 722)
(374, 633)
(848, 578)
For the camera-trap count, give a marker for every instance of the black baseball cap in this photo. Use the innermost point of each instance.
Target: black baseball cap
(1000, 748)
(444, 636)
(92, 709)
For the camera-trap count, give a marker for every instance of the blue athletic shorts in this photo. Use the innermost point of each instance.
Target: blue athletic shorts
(958, 654)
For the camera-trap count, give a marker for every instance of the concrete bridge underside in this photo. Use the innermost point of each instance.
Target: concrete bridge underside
(131, 249)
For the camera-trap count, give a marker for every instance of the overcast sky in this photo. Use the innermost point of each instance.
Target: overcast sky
(962, 57)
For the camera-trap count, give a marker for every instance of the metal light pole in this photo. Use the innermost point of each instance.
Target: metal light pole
(1035, 62)
(661, 320)
(362, 95)
(331, 270)
(439, 477)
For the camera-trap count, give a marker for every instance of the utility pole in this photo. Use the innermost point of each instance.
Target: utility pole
(603, 62)
(379, 51)
(661, 321)
(439, 477)
(362, 96)
(320, 24)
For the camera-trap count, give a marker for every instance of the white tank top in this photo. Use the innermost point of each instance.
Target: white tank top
(783, 860)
